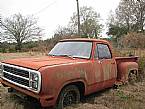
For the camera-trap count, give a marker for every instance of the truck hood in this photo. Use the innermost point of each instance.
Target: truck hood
(37, 63)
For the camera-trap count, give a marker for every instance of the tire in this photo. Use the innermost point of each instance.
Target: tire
(132, 77)
(68, 96)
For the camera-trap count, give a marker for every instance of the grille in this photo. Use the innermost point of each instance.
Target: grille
(17, 79)
(16, 74)
(21, 77)
(16, 71)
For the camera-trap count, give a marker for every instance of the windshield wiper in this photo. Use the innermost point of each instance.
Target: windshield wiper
(52, 55)
(65, 55)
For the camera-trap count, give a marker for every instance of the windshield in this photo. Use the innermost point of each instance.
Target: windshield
(72, 49)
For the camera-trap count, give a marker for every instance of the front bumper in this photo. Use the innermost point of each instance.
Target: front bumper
(45, 100)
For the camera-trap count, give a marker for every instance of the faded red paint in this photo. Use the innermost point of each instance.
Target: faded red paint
(57, 72)
(125, 65)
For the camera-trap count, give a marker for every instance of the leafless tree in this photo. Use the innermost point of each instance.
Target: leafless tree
(141, 14)
(89, 22)
(0, 29)
(131, 13)
(64, 31)
(19, 28)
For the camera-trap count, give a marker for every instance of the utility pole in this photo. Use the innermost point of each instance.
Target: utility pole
(0, 19)
(78, 13)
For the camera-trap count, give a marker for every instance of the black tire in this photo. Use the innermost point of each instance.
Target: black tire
(132, 77)
(68, 96)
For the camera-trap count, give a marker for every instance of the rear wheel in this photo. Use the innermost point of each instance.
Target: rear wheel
(132, 77)
(68, 96)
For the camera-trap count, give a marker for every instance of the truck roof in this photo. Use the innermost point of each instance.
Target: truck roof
(85, 39)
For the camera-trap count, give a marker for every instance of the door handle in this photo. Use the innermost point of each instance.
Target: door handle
(100, 61)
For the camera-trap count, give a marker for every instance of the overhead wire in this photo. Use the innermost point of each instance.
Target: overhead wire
(46, 7)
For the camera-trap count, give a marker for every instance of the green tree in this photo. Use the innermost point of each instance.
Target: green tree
(19, 28)
(117, 31)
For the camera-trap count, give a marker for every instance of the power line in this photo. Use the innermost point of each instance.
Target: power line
(43, 9)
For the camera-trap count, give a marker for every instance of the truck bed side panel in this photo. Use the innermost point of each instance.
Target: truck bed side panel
(124, 66)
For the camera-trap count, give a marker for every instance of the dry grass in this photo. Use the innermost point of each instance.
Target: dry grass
(5, 56)
(10, 101)
(127, 52)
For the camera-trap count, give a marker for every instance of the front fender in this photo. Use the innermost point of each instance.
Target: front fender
(54, 78)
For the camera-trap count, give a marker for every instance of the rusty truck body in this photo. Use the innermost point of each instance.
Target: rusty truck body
(72, 69)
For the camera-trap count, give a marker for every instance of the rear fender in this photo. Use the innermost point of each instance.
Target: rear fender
(124, 69)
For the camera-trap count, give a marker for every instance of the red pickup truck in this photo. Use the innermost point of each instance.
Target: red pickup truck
(72, 69)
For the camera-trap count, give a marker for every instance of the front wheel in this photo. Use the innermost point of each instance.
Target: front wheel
(68, 96)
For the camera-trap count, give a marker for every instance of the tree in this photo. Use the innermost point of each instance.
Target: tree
(0, 29)
(124, 13)
(89, 25)
(140, 7)
(129, 17)
(131, 14)
(89, 22)
(64, 31)
(19, 28)
(117, 31)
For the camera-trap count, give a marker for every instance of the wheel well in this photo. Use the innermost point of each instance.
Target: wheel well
(133, 71)
(79, 85)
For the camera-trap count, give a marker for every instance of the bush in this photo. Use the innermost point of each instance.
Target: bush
(133, 40)
(141, 73)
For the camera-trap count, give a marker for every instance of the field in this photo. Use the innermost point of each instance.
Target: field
(129, 96)
(4, 56)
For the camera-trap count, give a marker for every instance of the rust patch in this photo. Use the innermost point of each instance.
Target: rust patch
(107, 71)
(71, 74)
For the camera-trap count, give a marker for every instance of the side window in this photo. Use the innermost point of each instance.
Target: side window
(103, 51)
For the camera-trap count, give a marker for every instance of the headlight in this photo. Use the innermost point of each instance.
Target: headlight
(1, 69)
(34, 80)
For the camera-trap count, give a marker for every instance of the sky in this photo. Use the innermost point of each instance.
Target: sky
(54, 13)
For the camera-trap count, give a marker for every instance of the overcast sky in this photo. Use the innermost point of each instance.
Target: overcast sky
(54, 13)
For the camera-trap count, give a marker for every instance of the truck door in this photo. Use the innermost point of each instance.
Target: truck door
(108, 65)
(98, 74)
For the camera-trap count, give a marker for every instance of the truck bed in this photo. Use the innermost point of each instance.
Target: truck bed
(122, 67)
(126, 59)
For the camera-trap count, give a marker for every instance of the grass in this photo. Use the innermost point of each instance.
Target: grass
(5, 56)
